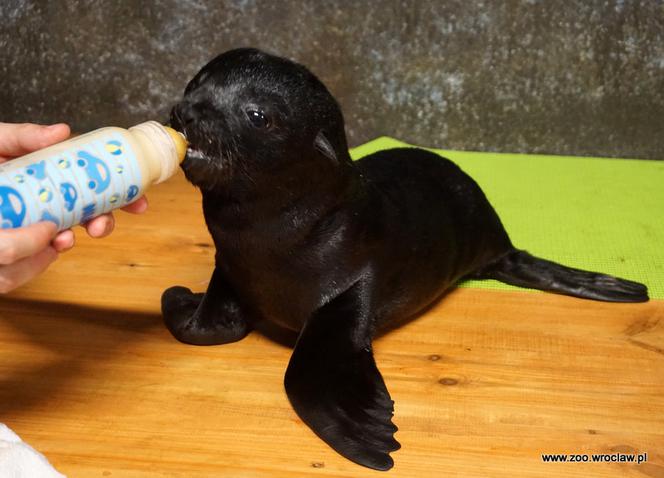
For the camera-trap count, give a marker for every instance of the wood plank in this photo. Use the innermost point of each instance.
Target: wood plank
(484, 382)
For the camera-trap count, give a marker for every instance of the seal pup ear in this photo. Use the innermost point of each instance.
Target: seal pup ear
(323, 146)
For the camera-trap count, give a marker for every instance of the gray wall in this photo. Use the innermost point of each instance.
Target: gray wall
(581, 77)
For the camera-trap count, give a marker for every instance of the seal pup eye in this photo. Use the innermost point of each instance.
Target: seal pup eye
(258, 119)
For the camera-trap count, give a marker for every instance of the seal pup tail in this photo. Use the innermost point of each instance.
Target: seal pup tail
(525, 270)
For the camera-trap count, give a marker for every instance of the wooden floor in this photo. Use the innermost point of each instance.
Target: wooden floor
(484, 383)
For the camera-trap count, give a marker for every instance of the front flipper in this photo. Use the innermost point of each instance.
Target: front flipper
(213, 318)
(334, 385)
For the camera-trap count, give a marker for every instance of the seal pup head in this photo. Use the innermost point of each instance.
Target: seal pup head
(250, 117)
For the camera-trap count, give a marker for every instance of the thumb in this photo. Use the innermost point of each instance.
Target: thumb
(20, 272)
(16, 244)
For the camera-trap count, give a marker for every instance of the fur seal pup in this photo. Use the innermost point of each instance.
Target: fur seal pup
(332, 248)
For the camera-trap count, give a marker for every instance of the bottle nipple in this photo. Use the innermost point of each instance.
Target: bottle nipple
(170, 147)
(180, 142)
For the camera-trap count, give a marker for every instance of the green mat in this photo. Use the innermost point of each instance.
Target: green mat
(598, 214)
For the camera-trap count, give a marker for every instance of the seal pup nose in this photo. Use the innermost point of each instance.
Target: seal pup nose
(175, 119)
(183, 114)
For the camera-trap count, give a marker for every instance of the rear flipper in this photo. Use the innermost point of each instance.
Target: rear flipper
(522, 269)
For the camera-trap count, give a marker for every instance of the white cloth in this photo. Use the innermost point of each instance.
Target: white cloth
(20, 460)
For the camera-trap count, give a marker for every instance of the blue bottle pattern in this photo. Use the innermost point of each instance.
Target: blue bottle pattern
(99, 175)
(69, 195)
(88, 212)
(12, 207)
(37, 170)
(132, 192)
(72, 186)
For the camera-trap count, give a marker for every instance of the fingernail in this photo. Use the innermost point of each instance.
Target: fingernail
(70, 243)
(52, 254)
(58, 127)
(109, 226)
(53, 229)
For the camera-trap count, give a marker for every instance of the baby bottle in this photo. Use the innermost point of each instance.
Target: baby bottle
(73, 181)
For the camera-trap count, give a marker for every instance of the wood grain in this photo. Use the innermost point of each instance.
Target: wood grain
(484, 382)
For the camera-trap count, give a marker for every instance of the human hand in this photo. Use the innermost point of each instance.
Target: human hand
(26, 252)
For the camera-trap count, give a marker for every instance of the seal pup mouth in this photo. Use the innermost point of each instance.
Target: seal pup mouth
(204, 149)
(196, 154)
(201, 166)
(212, 157)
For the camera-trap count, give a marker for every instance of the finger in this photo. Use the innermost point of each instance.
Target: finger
(24, 138)
(100, 226)
(15, 244)
(64, 241)
(137, 207)
(18, 273)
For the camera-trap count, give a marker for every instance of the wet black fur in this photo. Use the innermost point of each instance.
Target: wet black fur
(332, 249)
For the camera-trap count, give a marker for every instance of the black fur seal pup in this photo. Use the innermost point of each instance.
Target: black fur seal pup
(334, 249)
